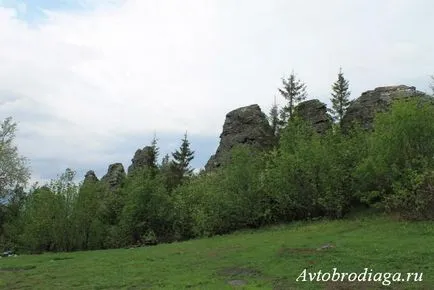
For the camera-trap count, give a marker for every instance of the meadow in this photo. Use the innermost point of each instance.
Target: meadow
(268, 258)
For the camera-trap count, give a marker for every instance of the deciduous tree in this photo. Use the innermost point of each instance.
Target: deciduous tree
(14, 170)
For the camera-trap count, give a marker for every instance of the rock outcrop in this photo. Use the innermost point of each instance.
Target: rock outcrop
(115, 176)
(363, 109)
(315, 113)
(245, 125)
(142, 157)
(90, 177)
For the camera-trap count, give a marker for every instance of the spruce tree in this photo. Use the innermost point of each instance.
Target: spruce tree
(294, 91)
(340, 97)
(273, 117)
(182, 158)
(153, 153)
(165, 162)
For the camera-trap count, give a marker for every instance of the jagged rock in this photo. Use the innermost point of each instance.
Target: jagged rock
(363, 109)
(315, 113)
(142, 157)
(90, 177)
(115, 176)
(245, 125)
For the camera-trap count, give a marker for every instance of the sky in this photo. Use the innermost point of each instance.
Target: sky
(91, 81)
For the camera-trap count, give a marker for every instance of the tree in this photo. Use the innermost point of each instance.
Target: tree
(182, 158)
(88, 227)
(146, 216)
(294, 91)
(273, 117)
(340, 96)
(165, 162)
(432, 84)
(153, 153)
(14, 170)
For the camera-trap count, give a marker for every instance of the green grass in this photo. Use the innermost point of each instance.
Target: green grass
(270, 258)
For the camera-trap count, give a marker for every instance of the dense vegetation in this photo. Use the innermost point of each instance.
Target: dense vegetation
(306, 176)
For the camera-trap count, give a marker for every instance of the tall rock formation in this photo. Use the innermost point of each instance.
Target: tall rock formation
(90, 177)
(115, 176)
(245, 125)
(363, 109)
(315, 113)
(142, 158)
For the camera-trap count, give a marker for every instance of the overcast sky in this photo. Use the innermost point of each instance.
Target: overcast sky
(89, 82)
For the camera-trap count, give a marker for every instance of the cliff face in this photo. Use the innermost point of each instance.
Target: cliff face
(245, 125)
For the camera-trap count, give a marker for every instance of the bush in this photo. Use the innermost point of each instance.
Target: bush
(413, 196)
(397, 173)
(225, 200)
(147, 209)
(310, 175)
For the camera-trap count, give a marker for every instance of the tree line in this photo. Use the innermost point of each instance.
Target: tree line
(305, 176)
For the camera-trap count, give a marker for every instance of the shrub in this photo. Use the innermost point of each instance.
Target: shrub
(397, 173)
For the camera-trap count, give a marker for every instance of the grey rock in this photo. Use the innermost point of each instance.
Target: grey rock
(142, 158)
(315, 113)
(326, 247)
(90, 177)
(246, 125)
(115, 176)
(363, 109)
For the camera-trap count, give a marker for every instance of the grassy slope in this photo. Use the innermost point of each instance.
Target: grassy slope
(266, 259)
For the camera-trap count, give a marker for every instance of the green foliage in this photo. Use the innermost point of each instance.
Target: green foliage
(180, 166)
(273, 117)
(41, 220)
(147, 209)
(413, 195)
(10, 224)
(153, 154)
(307, 176)
(340, 97)
(87, 217)
(223, 201)
(14, 170)
(311, 175)
(400, 159)
(294, 91)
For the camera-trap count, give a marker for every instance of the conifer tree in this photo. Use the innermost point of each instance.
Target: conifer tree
(165, 162)
(340, 97)
(153, 153)
(294, 91)
(273, 117)
(182, 158)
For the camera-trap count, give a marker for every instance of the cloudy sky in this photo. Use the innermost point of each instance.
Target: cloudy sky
(91, 81)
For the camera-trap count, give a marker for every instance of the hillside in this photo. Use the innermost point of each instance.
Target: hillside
(270, 258)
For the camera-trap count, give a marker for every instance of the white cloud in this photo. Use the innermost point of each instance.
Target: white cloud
(85, 79)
